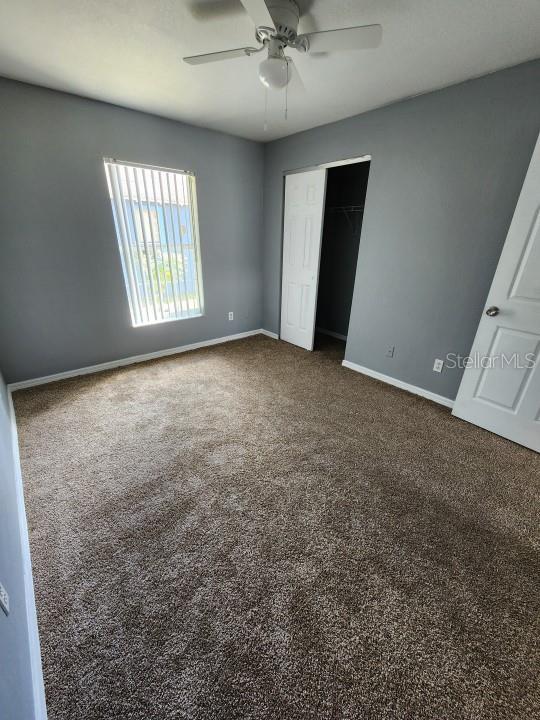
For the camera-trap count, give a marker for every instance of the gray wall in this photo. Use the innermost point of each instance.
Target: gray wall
(62, 297)
(16, 699)
(445, 176)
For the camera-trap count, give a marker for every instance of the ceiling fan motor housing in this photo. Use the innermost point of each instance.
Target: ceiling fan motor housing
(285, 15)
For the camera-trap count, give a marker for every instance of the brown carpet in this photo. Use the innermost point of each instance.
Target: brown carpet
(253, 531)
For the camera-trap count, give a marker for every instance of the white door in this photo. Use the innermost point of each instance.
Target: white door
(504, 395)
(302, 233)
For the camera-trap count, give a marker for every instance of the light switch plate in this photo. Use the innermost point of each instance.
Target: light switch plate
(4, 599)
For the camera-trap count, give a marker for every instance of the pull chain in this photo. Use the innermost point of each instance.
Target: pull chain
(265, 109)
(287, 93)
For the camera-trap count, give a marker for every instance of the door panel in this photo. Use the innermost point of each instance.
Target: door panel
(501, 390)
(503, 385)
(302, 234)
(293, 305)
(527, 282)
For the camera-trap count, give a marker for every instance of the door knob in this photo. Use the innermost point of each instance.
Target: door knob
(492, 311)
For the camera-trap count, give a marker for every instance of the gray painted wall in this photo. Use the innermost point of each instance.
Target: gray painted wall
(445, 176)
(16, 697)
(446, 172)
(62, 297)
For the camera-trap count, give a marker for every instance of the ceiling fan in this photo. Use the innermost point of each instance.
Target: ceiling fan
(276, 26)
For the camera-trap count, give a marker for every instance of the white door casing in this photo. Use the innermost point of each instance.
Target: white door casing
(302, 235)
(506, 399)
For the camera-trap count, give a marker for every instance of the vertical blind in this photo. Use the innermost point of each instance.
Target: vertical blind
(155, 217)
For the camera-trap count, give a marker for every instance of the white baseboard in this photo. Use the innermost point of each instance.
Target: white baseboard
(399, 383)
(38, 689)
(134, 359)
(331, 333)
(268, 333)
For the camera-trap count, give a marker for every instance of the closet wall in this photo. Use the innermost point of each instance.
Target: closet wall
(345, 195)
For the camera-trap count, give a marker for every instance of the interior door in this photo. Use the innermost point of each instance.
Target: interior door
(504, 394)
(302, 233)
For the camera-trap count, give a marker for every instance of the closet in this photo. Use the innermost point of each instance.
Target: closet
(344, 210)
(322, 220)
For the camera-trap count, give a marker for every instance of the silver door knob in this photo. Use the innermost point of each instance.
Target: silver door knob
(492, 311)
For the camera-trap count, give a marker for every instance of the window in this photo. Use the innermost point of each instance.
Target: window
(155, 216)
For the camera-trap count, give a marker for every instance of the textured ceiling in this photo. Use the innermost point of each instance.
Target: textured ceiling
(129, 52)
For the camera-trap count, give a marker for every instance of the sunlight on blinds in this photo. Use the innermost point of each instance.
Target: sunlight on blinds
(155, 216)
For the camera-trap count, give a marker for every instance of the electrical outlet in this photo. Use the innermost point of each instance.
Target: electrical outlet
(390, 351)
(438, 365)
(4, 599)
(231, 316)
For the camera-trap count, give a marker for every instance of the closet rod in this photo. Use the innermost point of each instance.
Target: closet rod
(346, 208)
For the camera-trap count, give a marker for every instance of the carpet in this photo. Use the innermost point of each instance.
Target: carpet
(253, 531)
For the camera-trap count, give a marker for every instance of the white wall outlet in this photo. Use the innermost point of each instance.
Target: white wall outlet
(4, 599)
(391, 349)
(438, 365)
(231, 316)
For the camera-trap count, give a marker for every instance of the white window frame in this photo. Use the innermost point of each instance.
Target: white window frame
(161, 285)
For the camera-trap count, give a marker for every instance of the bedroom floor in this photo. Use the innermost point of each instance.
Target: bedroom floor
(252, 531)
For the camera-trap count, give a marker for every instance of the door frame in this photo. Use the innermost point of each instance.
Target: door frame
(294, 171)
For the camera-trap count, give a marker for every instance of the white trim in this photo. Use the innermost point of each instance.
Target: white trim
(347, 161)
(269, 334)
(133, 359)
(333, 163)
(399, 383)
(38, 689)
(331, 333)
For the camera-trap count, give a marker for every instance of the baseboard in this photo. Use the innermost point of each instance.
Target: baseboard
(38, 689)
(269, 334)
(100, 367)
(331, 333)
(414, 389)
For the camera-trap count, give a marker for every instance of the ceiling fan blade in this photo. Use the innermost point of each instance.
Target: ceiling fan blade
(212, 9)
(353, 38)
(222, 55)
(258, 12)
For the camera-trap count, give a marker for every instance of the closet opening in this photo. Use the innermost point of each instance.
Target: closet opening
(346, 187)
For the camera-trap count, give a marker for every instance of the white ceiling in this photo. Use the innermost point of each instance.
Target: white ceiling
(129, 52)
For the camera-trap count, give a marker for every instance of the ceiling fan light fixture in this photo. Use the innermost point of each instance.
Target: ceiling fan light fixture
(274, 73)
